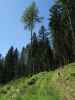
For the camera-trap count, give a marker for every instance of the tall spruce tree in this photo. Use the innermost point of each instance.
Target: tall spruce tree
(45, 49)
(23, 62)
(30, 18)
(43, 34)
(69, 8)
(33, 57)
(9, 65)
(62, 36)
(55, 25)
(16, 63)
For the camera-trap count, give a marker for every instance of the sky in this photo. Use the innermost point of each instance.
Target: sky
(12, 31)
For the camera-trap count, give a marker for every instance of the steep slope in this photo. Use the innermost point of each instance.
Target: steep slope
(53, 85)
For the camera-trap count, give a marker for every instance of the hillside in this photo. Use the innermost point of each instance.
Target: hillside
(53, 85)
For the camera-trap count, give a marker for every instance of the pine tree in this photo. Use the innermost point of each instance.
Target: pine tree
(31, 17)
(1, 68)
(22, 62)
(57, 31)
(69, 9)
(9, 65)
(46, 56)
(43, 34)
(33, 54)
(16, 63)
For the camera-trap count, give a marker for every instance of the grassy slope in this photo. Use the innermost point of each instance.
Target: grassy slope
(54, 85)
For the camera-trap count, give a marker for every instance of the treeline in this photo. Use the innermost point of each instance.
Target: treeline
(32, 59)
(49, 48)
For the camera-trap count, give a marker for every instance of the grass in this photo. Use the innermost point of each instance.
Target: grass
(53, 85)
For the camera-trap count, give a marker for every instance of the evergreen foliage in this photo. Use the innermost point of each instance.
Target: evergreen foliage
(41, 54)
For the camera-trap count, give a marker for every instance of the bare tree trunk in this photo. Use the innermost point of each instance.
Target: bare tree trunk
(31, 36)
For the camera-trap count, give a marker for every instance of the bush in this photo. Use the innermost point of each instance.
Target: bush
(3, 91)
(73, 74)
(32, 81)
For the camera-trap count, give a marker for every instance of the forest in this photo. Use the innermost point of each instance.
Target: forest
(50, 48)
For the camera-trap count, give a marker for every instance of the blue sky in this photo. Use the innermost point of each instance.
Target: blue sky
(11, 28)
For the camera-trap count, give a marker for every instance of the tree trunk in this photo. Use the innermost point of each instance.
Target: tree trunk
(31, 51)
(71, 27)
(31, 36)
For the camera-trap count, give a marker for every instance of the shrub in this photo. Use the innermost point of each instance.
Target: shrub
(32, 81)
